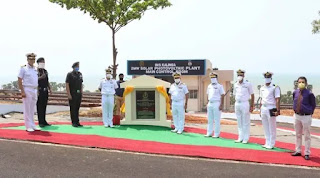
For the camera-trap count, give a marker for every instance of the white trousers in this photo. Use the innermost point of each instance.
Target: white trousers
(29, 106)
(269, 125)
(302, 125)
(178, 115)
(214, 115)
(243, 117)
(107, 109)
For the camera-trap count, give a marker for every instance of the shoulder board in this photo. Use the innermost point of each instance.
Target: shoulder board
(247, 80)
(24, 65)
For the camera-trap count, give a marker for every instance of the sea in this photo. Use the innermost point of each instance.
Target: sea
(285, 81)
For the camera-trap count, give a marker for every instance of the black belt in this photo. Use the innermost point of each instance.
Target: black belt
(302, 114)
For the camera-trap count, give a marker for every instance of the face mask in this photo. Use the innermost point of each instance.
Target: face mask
(177, 80)
(267, 80)
(41, 65)
(301, 85)
(76, 69)
(121, 78)
(213, 80)
(109, 76)
(240, 78)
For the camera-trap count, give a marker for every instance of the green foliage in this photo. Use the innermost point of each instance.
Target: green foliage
(54, 86)
(58, 86)
(316, 26)
(11, 86)
(115, 13)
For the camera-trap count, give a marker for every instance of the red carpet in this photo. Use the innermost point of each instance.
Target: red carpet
(165, 148)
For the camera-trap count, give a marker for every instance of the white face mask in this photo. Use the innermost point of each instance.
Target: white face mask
(109, 76)
(177, 80)
(267, 80)
(214, 80)
(240, 78)
(41, 65)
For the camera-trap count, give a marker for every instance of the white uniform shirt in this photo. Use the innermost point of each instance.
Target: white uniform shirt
(178, 92)
(243, 91)
(214, 92)
(29, 76)
(269, 94)
(108, 87)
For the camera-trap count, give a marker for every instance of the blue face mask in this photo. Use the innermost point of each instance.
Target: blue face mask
(76, 69)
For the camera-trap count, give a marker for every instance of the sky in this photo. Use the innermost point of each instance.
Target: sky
(253, 35)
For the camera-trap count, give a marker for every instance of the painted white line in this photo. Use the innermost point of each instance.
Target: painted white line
(294, 133)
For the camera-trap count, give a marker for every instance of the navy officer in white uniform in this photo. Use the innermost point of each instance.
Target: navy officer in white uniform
(108, 88)
(28, 84)
(243, 93)
(269, 109)
(179, 98)
(215, 94)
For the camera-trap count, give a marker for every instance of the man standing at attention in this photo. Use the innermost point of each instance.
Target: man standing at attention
(270, 109)
(119, 96)
(44, 90)
(179, 97)
(243, 90)
(304, 104)
(28, 84)
(215, 94)
(74, 90)
(107, 87)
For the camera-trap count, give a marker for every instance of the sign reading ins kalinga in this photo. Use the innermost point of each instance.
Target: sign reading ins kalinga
(166, 67)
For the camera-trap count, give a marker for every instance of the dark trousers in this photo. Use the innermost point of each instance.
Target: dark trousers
(42, 106)
(74, 107)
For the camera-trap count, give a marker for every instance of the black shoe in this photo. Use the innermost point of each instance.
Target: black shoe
(296, 154)
(47, 124)
(42, 125)
(80, 125)
(307, 157)
(74, 125)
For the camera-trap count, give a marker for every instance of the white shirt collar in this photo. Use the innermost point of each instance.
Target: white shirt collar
(29, 66)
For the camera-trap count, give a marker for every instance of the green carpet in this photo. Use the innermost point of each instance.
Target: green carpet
(151, 133)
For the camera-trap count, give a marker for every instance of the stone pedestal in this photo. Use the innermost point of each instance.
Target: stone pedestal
(145, 105)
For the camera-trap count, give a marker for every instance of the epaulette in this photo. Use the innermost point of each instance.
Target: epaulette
(24, 65)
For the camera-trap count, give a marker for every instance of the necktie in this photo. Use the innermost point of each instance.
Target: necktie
(299, 102)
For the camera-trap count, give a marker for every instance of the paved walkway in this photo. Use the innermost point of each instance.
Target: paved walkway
(8, 108)
(254, 117)
(47, 160)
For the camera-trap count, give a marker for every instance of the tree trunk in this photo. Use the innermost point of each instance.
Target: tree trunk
(115, 52)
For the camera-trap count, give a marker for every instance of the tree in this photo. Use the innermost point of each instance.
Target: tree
(11, 86)
(54, 86)
(115, 13)
(316, 26)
